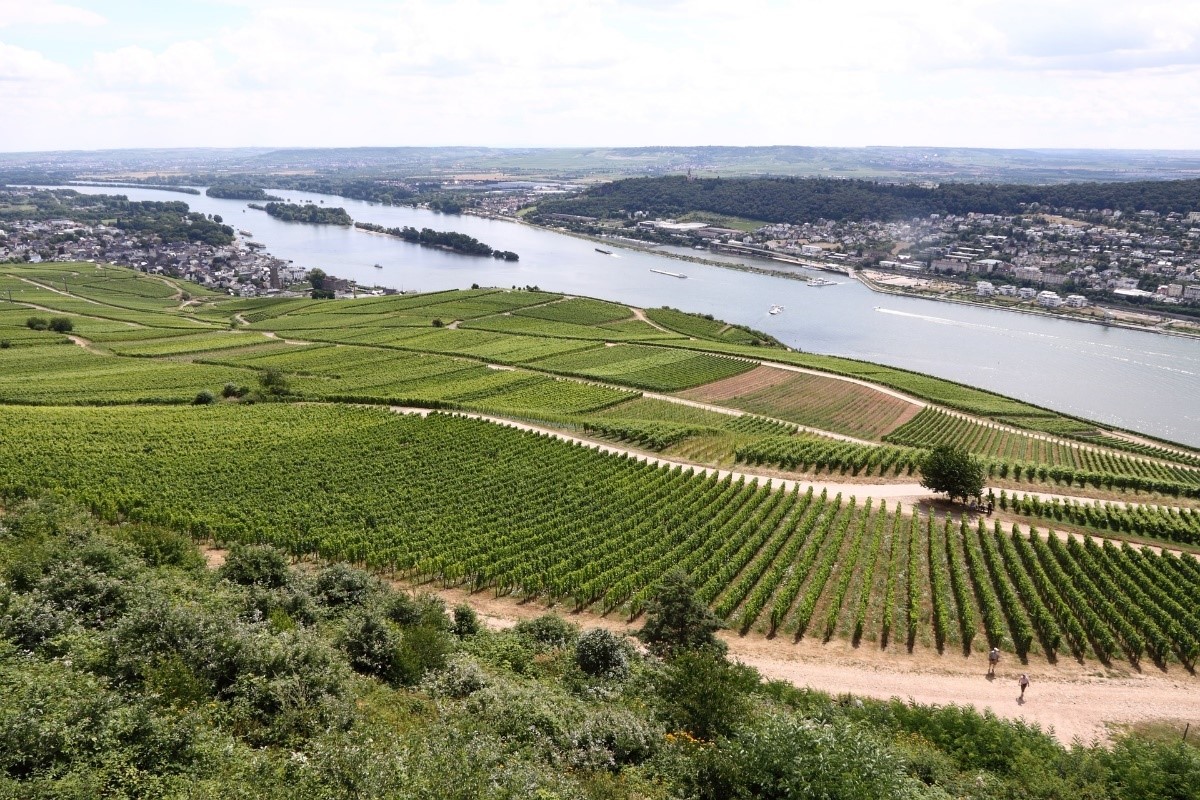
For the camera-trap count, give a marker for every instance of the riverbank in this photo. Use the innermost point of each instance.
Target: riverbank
(876, 287)
(633, 244)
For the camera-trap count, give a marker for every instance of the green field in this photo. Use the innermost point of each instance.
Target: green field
(468, 501)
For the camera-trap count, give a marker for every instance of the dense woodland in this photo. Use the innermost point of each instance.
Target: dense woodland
(796, 200)
(447, 240)
(171, 221)
(308, 212)
(129, 668)
(239, 191)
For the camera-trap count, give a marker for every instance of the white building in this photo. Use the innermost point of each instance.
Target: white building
(1049, 299)
(1076, 301)
(1008, 290)
(1025, 293)
(984, 289)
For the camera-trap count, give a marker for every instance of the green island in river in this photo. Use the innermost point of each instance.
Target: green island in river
(349, 466)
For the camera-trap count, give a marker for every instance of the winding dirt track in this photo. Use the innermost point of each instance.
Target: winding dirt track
(1077, 701)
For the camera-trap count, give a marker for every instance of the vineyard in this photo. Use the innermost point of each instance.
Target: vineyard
(816, 401)
(1023, 455)
(1172, 524)
(467, 502)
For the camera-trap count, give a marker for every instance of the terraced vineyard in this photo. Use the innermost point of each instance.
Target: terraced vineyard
(1019, 454)
(464, 501)
(468, 502)
(812, 400)
(658, 369)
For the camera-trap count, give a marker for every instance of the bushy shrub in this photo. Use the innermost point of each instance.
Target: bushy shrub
(704, 694)
(30, 621)
(256, 565)
(461, 677)
(37, 323)
(422, 649)
(547, 631)
(234, 390)
(203, 398)
(371, 644)
(92, 597)
(601, 653)
(504, 649)
(785, 756)
(466, 621)
(160, 547)
(343, 585)
(288, 688)
(612, 738)
(61, 324)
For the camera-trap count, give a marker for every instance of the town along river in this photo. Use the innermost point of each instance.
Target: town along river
(1142, 381)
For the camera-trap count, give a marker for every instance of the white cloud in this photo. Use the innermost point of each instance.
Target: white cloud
(25, 12)
(624, 72)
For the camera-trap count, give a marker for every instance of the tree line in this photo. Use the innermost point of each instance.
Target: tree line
(795, 200)
(307, 212)
(239, 191)
(447, 240)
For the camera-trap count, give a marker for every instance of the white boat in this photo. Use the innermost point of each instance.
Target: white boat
(821, 282)
(776, 309)
(672, 274)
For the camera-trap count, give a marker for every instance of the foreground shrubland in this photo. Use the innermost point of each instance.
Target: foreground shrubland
(129, 669)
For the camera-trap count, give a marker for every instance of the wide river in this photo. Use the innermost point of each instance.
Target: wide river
(1143, 381)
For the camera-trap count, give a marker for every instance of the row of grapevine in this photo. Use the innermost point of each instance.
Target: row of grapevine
(466, 502)
(1159, 522)
(806, 452)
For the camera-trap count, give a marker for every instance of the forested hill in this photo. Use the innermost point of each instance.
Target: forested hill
(808, 199)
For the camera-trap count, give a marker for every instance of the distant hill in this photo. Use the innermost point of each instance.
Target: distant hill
(942, 164)
(807, 199)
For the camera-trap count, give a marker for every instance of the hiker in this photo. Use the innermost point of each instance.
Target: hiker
(1023, 682)
(993, 660)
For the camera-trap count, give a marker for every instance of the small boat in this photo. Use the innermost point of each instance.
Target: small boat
(672, 274)
(245, 233)
(603, 251)
(776, 309)
(379, 266)
(821, 282)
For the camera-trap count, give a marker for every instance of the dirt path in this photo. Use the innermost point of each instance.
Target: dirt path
(87, 345)
(1076, 700)
(639, 313)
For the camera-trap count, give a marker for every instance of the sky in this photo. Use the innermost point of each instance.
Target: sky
(527, 73)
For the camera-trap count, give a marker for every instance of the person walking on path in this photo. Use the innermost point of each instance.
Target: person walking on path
(1023, 682)
(993, 660)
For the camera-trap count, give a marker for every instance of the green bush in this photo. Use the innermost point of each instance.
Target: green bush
(705, 695)
(547, 631)
(37, 323)
(203, 398)
(343, 585)
(466, 621)
(602, 653)
(372, 645)
(256, 565)
(61, 324)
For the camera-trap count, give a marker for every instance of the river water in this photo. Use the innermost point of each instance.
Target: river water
(1142, 381)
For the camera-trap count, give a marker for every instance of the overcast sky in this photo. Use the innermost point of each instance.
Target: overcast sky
(1016, 73)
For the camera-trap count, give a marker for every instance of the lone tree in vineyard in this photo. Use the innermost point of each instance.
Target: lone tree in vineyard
(677, 621)
(952, 470)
